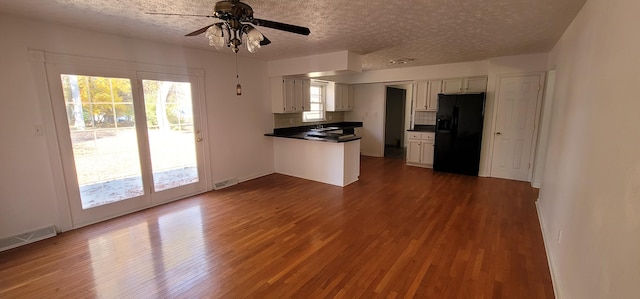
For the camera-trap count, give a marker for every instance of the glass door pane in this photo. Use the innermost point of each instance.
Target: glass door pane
(172, 140)
(100, 115)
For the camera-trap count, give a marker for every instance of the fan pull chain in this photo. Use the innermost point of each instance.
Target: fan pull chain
(238, 87)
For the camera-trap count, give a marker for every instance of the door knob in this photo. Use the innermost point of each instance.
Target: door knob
(498, 133)
(199, 139)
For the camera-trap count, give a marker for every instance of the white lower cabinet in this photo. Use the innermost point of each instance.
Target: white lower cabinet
(420, 149)
(414, 151)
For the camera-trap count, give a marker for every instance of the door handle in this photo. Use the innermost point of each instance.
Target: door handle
(199, 139)
(498, 133)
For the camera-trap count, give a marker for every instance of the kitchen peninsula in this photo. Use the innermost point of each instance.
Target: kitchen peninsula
(329, 154)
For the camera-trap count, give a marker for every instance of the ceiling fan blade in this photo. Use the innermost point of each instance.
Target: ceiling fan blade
(199, 31)
(178, 14)
(281, 26)
(265, 41)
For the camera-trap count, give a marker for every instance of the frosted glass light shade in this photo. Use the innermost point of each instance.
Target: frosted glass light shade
(215, 36)
(254, 37)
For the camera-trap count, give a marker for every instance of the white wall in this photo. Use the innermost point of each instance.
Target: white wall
(590, 197)
(27, 192)
(369, 109)
(543, 129)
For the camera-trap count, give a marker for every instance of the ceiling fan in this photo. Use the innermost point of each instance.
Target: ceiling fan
(236, 24)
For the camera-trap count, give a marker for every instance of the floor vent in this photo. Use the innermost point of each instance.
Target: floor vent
(225, 183)
(26, 238)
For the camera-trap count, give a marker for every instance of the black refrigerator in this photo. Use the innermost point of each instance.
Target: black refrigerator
(459, 123)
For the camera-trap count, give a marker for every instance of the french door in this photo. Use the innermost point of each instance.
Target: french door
(128, 140)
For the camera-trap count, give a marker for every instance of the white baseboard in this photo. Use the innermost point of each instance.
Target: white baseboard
(546, 238)
(371, 155)
(255, 176)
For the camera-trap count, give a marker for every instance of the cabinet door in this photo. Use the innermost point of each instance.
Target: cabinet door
(297, 95)
(289, 95)
(413, 151)
(435, 87)
(452, 86)
(426, 154)
(306, 95)
(345, 97)
(421, 97)
(350, 99)
(338, 97)
(475, 84)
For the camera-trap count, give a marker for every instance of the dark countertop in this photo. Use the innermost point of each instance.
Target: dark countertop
(324, 134)
(423, 128)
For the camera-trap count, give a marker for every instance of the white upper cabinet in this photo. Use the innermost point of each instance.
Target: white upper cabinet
(452, 86)
(421, 98)
(347, 97)
(464, 85)
(435, 87)
(478, 84)
(290, 95)
(339, 97)
(302, 94)
(427, 96)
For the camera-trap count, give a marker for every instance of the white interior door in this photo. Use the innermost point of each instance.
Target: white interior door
(517, 103)
(116, 157)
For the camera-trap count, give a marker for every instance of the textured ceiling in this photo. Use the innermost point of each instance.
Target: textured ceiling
(428, 31)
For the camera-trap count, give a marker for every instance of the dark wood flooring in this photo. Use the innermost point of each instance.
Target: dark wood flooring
(398, 232)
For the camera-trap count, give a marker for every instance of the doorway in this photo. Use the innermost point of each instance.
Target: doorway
(394, 127)
(518, 103)
(128, 140)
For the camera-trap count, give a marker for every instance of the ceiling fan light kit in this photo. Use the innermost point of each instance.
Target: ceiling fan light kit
(235, 27)
(221, 34)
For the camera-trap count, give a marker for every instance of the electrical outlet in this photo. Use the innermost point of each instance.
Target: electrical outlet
(38, 130)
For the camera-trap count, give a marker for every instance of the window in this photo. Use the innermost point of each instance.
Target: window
(127, 134)
(316, 111)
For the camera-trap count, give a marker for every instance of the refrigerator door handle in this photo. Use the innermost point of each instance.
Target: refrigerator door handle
(454, 121)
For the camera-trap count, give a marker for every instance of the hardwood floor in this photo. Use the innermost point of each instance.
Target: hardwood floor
(398, 232)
